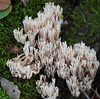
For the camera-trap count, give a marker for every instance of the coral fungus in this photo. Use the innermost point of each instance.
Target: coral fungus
(77, 64)
(47, 90)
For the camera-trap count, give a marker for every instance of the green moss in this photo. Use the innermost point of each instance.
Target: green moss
(83, 21)
(3, 94)
(87, 17)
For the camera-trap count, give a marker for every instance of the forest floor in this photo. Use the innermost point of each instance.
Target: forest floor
(83, 17)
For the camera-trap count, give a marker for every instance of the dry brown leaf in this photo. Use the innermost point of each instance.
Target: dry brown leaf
(15, 50)
(64, 24)
(4, 4)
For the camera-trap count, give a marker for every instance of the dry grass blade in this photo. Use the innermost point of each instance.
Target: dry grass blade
(96, 95)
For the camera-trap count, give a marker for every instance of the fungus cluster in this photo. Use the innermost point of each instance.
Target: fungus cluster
(76, 64)
(47, 90)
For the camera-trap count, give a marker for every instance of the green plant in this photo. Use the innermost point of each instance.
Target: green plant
(3, 94)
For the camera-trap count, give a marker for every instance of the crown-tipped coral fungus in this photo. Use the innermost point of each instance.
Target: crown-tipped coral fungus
(77, 64)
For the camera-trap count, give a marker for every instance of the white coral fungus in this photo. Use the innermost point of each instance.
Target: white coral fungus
(77, 64)
(47, 90)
